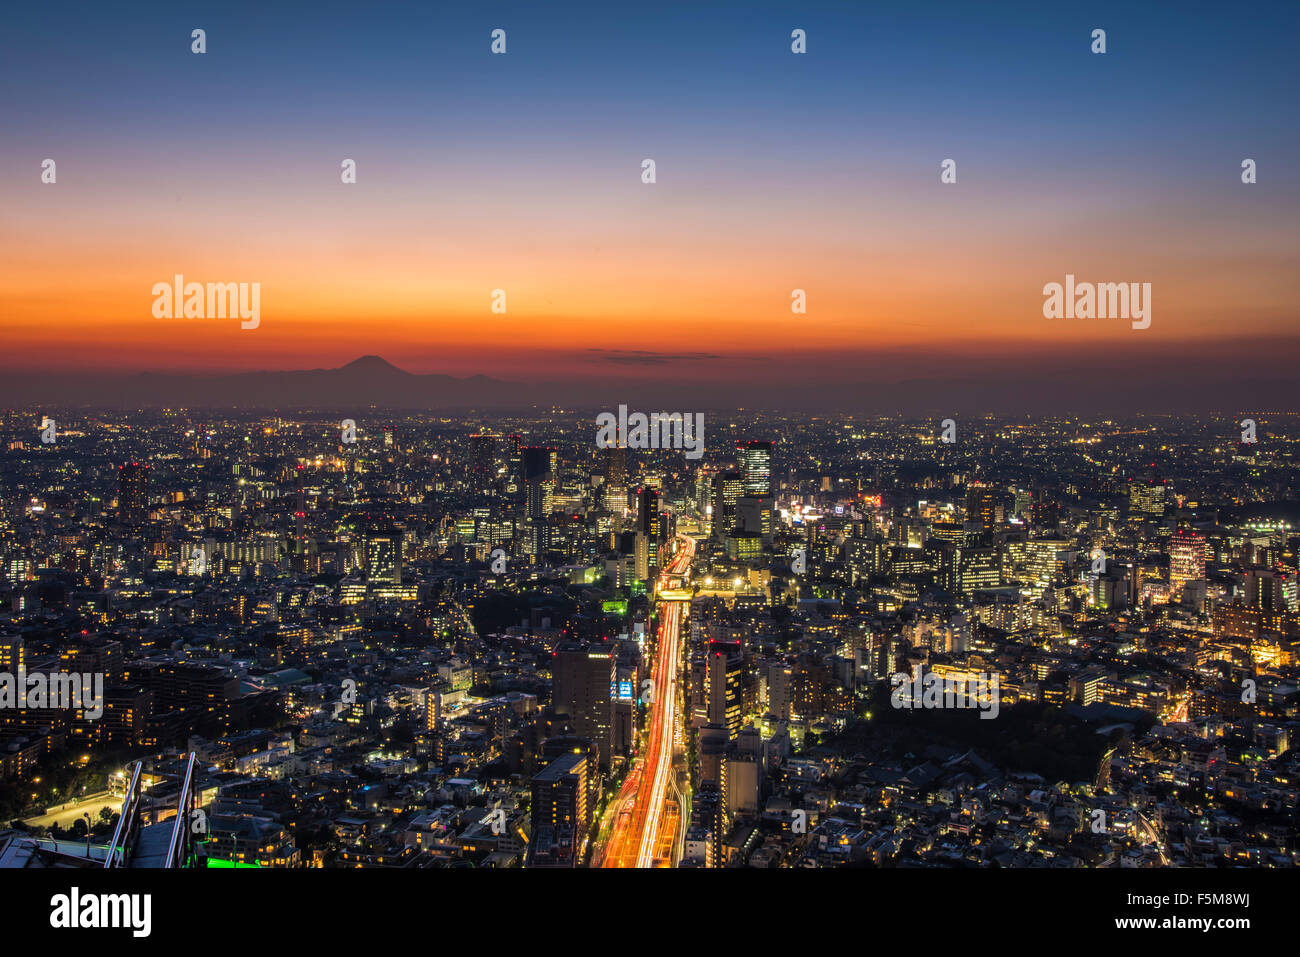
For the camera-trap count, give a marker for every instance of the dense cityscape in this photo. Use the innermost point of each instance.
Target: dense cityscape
(391, 639)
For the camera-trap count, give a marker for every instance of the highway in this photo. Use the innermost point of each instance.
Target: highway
(643, 835)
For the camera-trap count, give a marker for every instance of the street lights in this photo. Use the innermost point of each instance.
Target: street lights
(86, 815)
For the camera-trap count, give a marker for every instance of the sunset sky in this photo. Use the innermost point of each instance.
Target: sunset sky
(522, 172)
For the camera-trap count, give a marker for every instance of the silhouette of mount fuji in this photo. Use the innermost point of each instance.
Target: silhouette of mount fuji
(369, 380)
(928, 385)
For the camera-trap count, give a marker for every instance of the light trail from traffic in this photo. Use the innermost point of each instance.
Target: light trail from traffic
(635, 840)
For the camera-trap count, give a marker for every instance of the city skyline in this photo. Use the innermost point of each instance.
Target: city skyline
(753, 435)
(491, 640)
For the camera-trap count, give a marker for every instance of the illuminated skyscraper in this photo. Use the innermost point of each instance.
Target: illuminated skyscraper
(484, 448)
(515, 455)
(384, 556)
(582, 688)
(982, 506)
(560, 812)
(727, 488)
(615, 471)
(1147, 497)
(616, 465)
(1186, 558)
(1269, 590)
(133, 493)
(539, 466)
(648, 530)
(756, 467)
(725, 676)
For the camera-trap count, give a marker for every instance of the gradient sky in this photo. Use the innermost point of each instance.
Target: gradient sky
(522, 172)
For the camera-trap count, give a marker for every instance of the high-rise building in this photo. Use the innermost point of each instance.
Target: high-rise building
(756, 467)
(484, 448)
(540, 466)
(1269, 589)
(561, 814)
(649, 525)
(725, 677)
(978, 567)
(133, 493)
(1186, 558)
(616, 465)
(982, 506)
(778, 690)
(754, 515)
(727, 488)
(515, 455)
(1044, 561)
(384, 556)
(615, 472)
(703, 489)
(1147, 497)
(583, 682)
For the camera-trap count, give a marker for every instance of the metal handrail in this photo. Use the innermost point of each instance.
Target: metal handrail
(126, 820)
(181, 829)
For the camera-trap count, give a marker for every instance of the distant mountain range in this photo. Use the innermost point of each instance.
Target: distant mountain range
(923, 385)
(367, 381)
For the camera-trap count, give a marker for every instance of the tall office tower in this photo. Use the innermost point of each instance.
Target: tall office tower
(614, 498)
(1044, 562)
(540, 465)
(727, 487)
(703, 490)
(515, 455)
(1023, 503)
(433, 710)
(1045, 512)
(1110, 591)
(756, 466)
(778, 689)
(978, 567)
(643, 558)
(133, 493)
(982, 507)
(561, 813)
(648, 528)
(697, 688)
(483, 450)
(1269, 590)
(384, 556)
(1147, 496)
(712, 746)
(299, 514)
(583, 682)
(754, 515)
(742, 779)
(706, 835)
(726, 671)
(1186, 558)
(615, 465)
